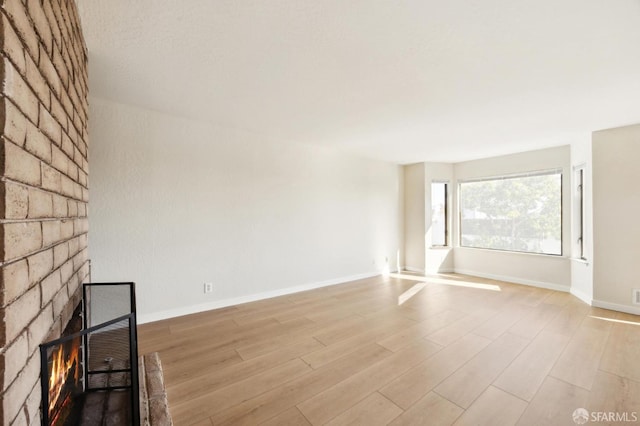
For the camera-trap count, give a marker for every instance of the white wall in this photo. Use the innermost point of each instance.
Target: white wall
(545, 271)
(438, 259)
(582, 270)
(176, 203)
(616, 203)
(414, 214)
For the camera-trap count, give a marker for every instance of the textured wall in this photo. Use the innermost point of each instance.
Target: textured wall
(616, 202)
(176, 203)
(414, 217)
(43, 189)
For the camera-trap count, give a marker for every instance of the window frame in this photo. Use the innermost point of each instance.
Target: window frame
(546, 172)
(446, 214)
(580, 217)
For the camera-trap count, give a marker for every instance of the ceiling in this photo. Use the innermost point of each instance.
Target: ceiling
(403, 81)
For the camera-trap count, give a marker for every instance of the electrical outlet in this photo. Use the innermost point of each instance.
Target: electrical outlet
(208, 287)
(636, 296)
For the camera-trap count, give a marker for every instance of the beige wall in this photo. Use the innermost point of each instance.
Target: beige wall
(414, 217)
(616, 204)
(43, 190)
(545, 271)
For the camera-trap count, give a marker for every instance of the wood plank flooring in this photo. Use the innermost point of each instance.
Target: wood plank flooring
(461, 350)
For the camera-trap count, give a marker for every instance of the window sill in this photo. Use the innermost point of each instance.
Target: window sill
(580, 260)
(519, 253)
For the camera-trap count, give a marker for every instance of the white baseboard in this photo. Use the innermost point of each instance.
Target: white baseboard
(425, 271)
(582, 296)
(616, 307)
(515, 280)
(217, 304)
(444, 271)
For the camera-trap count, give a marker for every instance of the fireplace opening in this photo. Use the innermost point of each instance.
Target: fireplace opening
(90, 375)
(65, 373)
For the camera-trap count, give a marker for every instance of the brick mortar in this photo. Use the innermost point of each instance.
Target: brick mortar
(45, 219)
(41, 250)
(24, 185)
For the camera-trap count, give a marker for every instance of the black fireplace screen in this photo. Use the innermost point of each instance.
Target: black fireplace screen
(91, 376)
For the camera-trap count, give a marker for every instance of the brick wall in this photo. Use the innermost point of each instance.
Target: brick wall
(43, 189)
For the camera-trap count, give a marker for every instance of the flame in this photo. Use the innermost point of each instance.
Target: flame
(60, 368)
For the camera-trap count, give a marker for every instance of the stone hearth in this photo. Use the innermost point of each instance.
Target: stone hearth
(154, 407)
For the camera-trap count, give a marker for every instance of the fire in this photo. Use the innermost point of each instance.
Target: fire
(60, 370)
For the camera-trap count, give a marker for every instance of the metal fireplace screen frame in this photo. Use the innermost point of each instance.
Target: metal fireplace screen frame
(109, 351)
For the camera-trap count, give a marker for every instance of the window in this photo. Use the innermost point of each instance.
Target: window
(439, 228)
(580, 212)
(516, 213)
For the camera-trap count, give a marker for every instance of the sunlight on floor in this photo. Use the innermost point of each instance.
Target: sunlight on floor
(444, 281)
(410, 293)
(615, 320)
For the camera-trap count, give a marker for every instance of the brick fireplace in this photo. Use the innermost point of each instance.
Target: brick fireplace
(43, 189)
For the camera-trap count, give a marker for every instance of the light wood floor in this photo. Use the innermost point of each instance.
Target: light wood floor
(460, 350)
